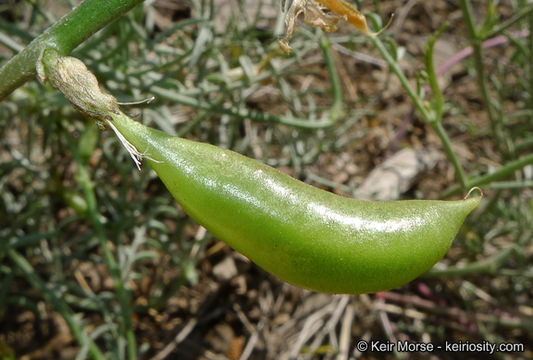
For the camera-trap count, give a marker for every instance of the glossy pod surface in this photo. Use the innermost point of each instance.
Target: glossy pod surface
(304, 235)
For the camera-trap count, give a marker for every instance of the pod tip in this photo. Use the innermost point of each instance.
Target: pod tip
(475, 188)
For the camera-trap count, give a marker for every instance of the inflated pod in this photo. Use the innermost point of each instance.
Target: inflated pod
(304, 235)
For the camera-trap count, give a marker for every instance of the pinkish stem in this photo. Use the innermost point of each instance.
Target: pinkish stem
(448, 64)
(466, 52)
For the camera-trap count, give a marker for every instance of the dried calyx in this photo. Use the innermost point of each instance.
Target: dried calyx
(324, 14)
(80, 87)
(70, 76)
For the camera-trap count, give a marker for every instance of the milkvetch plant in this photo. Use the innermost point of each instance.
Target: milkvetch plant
(289, 222)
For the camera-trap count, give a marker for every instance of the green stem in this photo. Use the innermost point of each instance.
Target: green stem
(336, 89)
(59, 305)
(64, 36)
(123, 299)
(488, 266)
(476, 43)
(437, 105)
(437, 98)
(519, 15)
(507, 170)
(239, 113)
(447, 144)
(507, 185)
(403, 79)
(468, 15)
(429, 117)
(531, 61)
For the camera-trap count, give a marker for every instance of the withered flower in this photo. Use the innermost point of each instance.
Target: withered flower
(315, 14)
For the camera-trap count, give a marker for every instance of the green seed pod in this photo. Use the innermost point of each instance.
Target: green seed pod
(306, 236)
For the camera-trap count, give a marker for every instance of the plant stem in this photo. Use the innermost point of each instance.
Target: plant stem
(475, 42)
(506, 185)
(521, 13)
(468, 15)
(429, 117)
(437, 98)
(123, 299)
(507, 170)
(531, 62)
(64, 36)
(447, 144)
(437, 104)
(403, 79)
(488, 266)
(178, 98)
(59, 305)
(336, 89)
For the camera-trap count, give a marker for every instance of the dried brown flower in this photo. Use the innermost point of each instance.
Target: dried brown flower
(315, 14)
